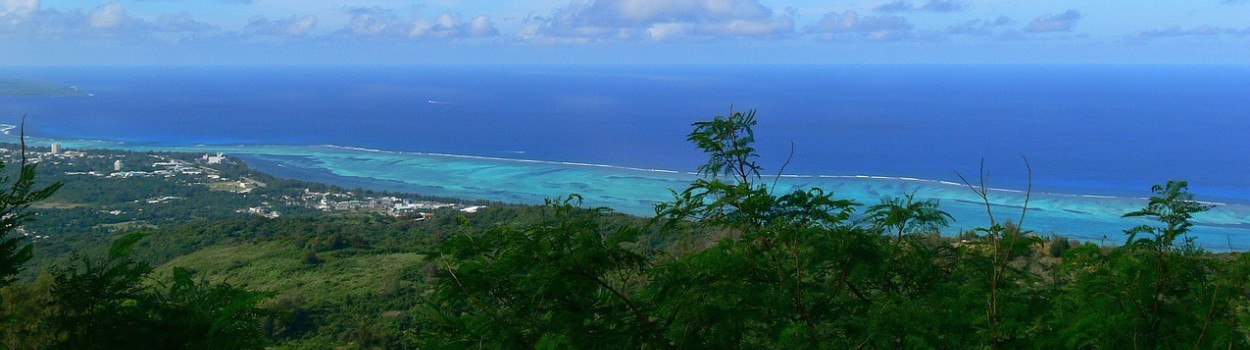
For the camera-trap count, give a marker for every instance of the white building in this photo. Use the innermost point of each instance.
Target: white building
(56, 148)
(117, 165)
(215, 159)
(473, 209)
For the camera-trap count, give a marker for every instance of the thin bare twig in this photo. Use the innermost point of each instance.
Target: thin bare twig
(980, 191)
(991, 310)
(22, 138)
(1210, 317)
(773, 190)
(1028, 194)
(1001, 256)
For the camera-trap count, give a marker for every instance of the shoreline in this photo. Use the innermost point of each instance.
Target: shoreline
(143, 146)
(635, 191)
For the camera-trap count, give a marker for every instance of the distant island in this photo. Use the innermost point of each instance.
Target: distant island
(25, 87)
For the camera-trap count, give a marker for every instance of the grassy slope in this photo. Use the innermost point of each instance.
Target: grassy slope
(347, 283)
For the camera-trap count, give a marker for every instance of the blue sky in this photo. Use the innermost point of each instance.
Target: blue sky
(140, 32)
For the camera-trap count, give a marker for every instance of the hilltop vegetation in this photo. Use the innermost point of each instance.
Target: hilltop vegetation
(727, 263)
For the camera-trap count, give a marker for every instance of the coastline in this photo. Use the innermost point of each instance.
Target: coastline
(258, 149)
(1090, 217)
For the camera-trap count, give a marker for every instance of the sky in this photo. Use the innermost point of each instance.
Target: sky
(242, 32)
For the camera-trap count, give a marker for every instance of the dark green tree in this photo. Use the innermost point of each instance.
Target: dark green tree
(750, 268)
(14, 202)
(793, 272)
(565, 282)
(107, 304)
(1170, 274)
(1153, 292)
(992, 257)
(907, 215)
(1172, 206)
(729, 194)
(101, 303)
(198, 314)
(16, 250)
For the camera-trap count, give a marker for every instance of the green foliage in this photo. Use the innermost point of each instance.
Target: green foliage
(743, 204)
(793, 271)
(14, 203)
(202, 315)
(1173, 206)
(907, 215)
(728, 143)
(566, 282)
(1147, 295)
(795, 274)
(727, 263)
(97, 304)
(311, 258)
(105, 304)
(26, 305)
(783, 285)
(1056, 245)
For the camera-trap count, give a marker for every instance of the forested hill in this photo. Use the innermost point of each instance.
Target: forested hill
(232, 258)
(108, 193)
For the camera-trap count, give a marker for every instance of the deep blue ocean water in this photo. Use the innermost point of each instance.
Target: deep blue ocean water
(1085, 130)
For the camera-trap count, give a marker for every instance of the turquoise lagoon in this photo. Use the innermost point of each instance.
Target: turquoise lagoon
(636, 191)
(1105, 130)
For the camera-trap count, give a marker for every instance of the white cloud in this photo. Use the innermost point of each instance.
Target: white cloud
(482, 26)
(290, 26)
(740, 27)
(451, 26)
(18, 8)
(618, 20)
(377, 22)
(218, 1)
(646, 11)
(108, 20)
(943, 6)
(108, 16)
(879, 28)
(932, 5)
(1063, 22)
(182, 22)
(661, 31)
(1202, 30)
(15, 13)
(374, 21)
(978, 27)
(895, 6)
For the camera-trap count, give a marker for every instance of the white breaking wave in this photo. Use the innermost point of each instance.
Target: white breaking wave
(503, 159)
(6, 128)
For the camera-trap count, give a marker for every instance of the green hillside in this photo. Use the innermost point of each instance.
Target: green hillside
(726, 264)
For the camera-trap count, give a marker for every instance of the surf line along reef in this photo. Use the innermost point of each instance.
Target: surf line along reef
(636, 191)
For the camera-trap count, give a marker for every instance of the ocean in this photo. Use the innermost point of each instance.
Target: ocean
(1096, 136)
